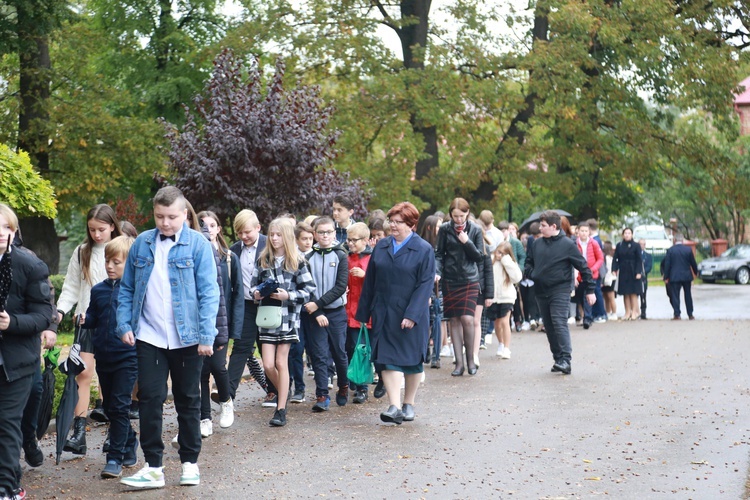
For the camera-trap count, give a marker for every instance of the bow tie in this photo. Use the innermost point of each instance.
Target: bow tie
(164, 237)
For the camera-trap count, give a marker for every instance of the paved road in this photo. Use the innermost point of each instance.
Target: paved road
(717, 301)
(654, 409)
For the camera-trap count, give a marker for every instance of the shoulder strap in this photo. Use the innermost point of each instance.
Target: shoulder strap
(229, 264)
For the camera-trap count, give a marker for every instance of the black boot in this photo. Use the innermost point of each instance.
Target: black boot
(97, 414)
(77, 442)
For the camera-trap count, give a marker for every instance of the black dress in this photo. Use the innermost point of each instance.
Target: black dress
(628, 261)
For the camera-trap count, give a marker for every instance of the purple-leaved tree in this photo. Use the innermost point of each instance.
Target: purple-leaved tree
(271, 153)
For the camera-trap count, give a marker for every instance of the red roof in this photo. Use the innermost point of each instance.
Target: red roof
(744, 97)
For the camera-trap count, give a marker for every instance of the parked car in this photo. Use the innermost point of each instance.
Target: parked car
(734, 264)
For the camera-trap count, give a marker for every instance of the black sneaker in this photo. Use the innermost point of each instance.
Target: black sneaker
(297, 397)
(134, 413)
(379, 391)
(97, 414)
(360, 396)
(279, 418)
(270, 401)
(33, 454)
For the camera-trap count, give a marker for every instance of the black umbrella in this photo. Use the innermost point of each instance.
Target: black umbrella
(48, 391)
(6, 278)
(66, 410)
(535, 218)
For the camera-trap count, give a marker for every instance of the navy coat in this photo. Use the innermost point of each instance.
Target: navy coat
(398, 287)
(679, 263)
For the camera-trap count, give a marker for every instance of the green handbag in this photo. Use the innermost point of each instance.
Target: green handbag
(360, 366)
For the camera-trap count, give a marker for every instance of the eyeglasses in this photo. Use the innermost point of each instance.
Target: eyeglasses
(395, 222)
(353, 240)
(325, 233)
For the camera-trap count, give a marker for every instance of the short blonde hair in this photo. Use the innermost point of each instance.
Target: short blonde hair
(243, 218)
(358, 230)
(10, 216)
(119, 246)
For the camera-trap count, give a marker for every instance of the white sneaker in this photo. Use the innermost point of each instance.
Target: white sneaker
(175, 443)
(505, 354)
(532, 324)
(330, 383)
(571, 321)
(147, 477)
(500, 350)
(226, 419)
(190, 475)
(612, 317)
(600, 319)
(525, 326)
(445, 352)
(488, 339)
(207, 427)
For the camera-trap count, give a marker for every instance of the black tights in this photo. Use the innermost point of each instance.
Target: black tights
(462, 334)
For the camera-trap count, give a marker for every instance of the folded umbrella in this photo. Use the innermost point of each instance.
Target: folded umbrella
(66, 410)
(6, 278)
(48, 391)
(535, 218)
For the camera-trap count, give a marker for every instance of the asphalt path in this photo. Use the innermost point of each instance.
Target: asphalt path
(653, 409)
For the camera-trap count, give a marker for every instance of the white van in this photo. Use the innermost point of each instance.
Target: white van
(655, 235)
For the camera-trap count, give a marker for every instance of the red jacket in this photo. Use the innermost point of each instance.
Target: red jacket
(360, 260)
(594, 257)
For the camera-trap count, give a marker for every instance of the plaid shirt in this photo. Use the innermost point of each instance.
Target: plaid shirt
(300, 286)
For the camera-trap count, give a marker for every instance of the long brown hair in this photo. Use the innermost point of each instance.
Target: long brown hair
(102, 213)
(429, 230)
(223, 247)
(292, 257)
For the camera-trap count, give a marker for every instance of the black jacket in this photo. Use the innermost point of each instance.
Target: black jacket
(30, 312)
(550, 264)
(234, 293)
(458, 263)
(101, 316)
(487, 285)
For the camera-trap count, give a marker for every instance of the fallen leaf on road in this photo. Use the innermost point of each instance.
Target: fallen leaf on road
(595, 478)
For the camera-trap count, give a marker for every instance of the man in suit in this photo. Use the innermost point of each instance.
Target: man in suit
(251, 244)
(679, 269)
(648, 264)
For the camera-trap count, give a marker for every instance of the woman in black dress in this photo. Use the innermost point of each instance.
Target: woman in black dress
(627, 265)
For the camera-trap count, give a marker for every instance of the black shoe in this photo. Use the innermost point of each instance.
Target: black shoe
(392, 416)
(33, 454)
(457, 372)
(134, 413)
(562, 366)
(342, 396)
(77, 442)
(408, 411)
(105, 446)
(360, 396)
(473, 371)
(586, 325)
(97, 414)
(435, 363)
(279, 418)
(379, 391)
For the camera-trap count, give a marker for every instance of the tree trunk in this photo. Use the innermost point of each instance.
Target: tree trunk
(38, 233)
(415, 15)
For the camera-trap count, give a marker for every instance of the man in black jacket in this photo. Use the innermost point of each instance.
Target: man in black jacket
(27, 312)
(550, 264)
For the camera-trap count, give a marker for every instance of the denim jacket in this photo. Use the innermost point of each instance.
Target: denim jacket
(192, 276)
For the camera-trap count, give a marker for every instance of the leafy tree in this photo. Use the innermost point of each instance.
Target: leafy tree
(22, 188)
(270, 151)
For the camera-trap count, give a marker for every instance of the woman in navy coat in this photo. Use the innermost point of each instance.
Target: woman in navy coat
(396, 295)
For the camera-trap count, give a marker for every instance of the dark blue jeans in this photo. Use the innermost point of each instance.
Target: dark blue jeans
(31, 411)
(588, 317)
(322, 341)
(296, 363)
(554, 306)
(215, 365)
(13, 396)
(597, 310)
(183, 366)
(117, 381)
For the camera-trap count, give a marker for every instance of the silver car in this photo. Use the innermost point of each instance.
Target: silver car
(734, 264)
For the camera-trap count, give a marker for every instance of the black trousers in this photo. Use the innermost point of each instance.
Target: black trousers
(31, 411)
(674, 290)
(183, 366)
(554, 306)
(13, 396)
(643, 299)
(215, 365)
(243, 349)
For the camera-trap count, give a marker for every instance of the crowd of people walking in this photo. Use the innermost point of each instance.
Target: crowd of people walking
(166, 303)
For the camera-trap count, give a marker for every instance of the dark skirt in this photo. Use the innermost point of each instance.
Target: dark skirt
(407, 370)
(460, 300)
